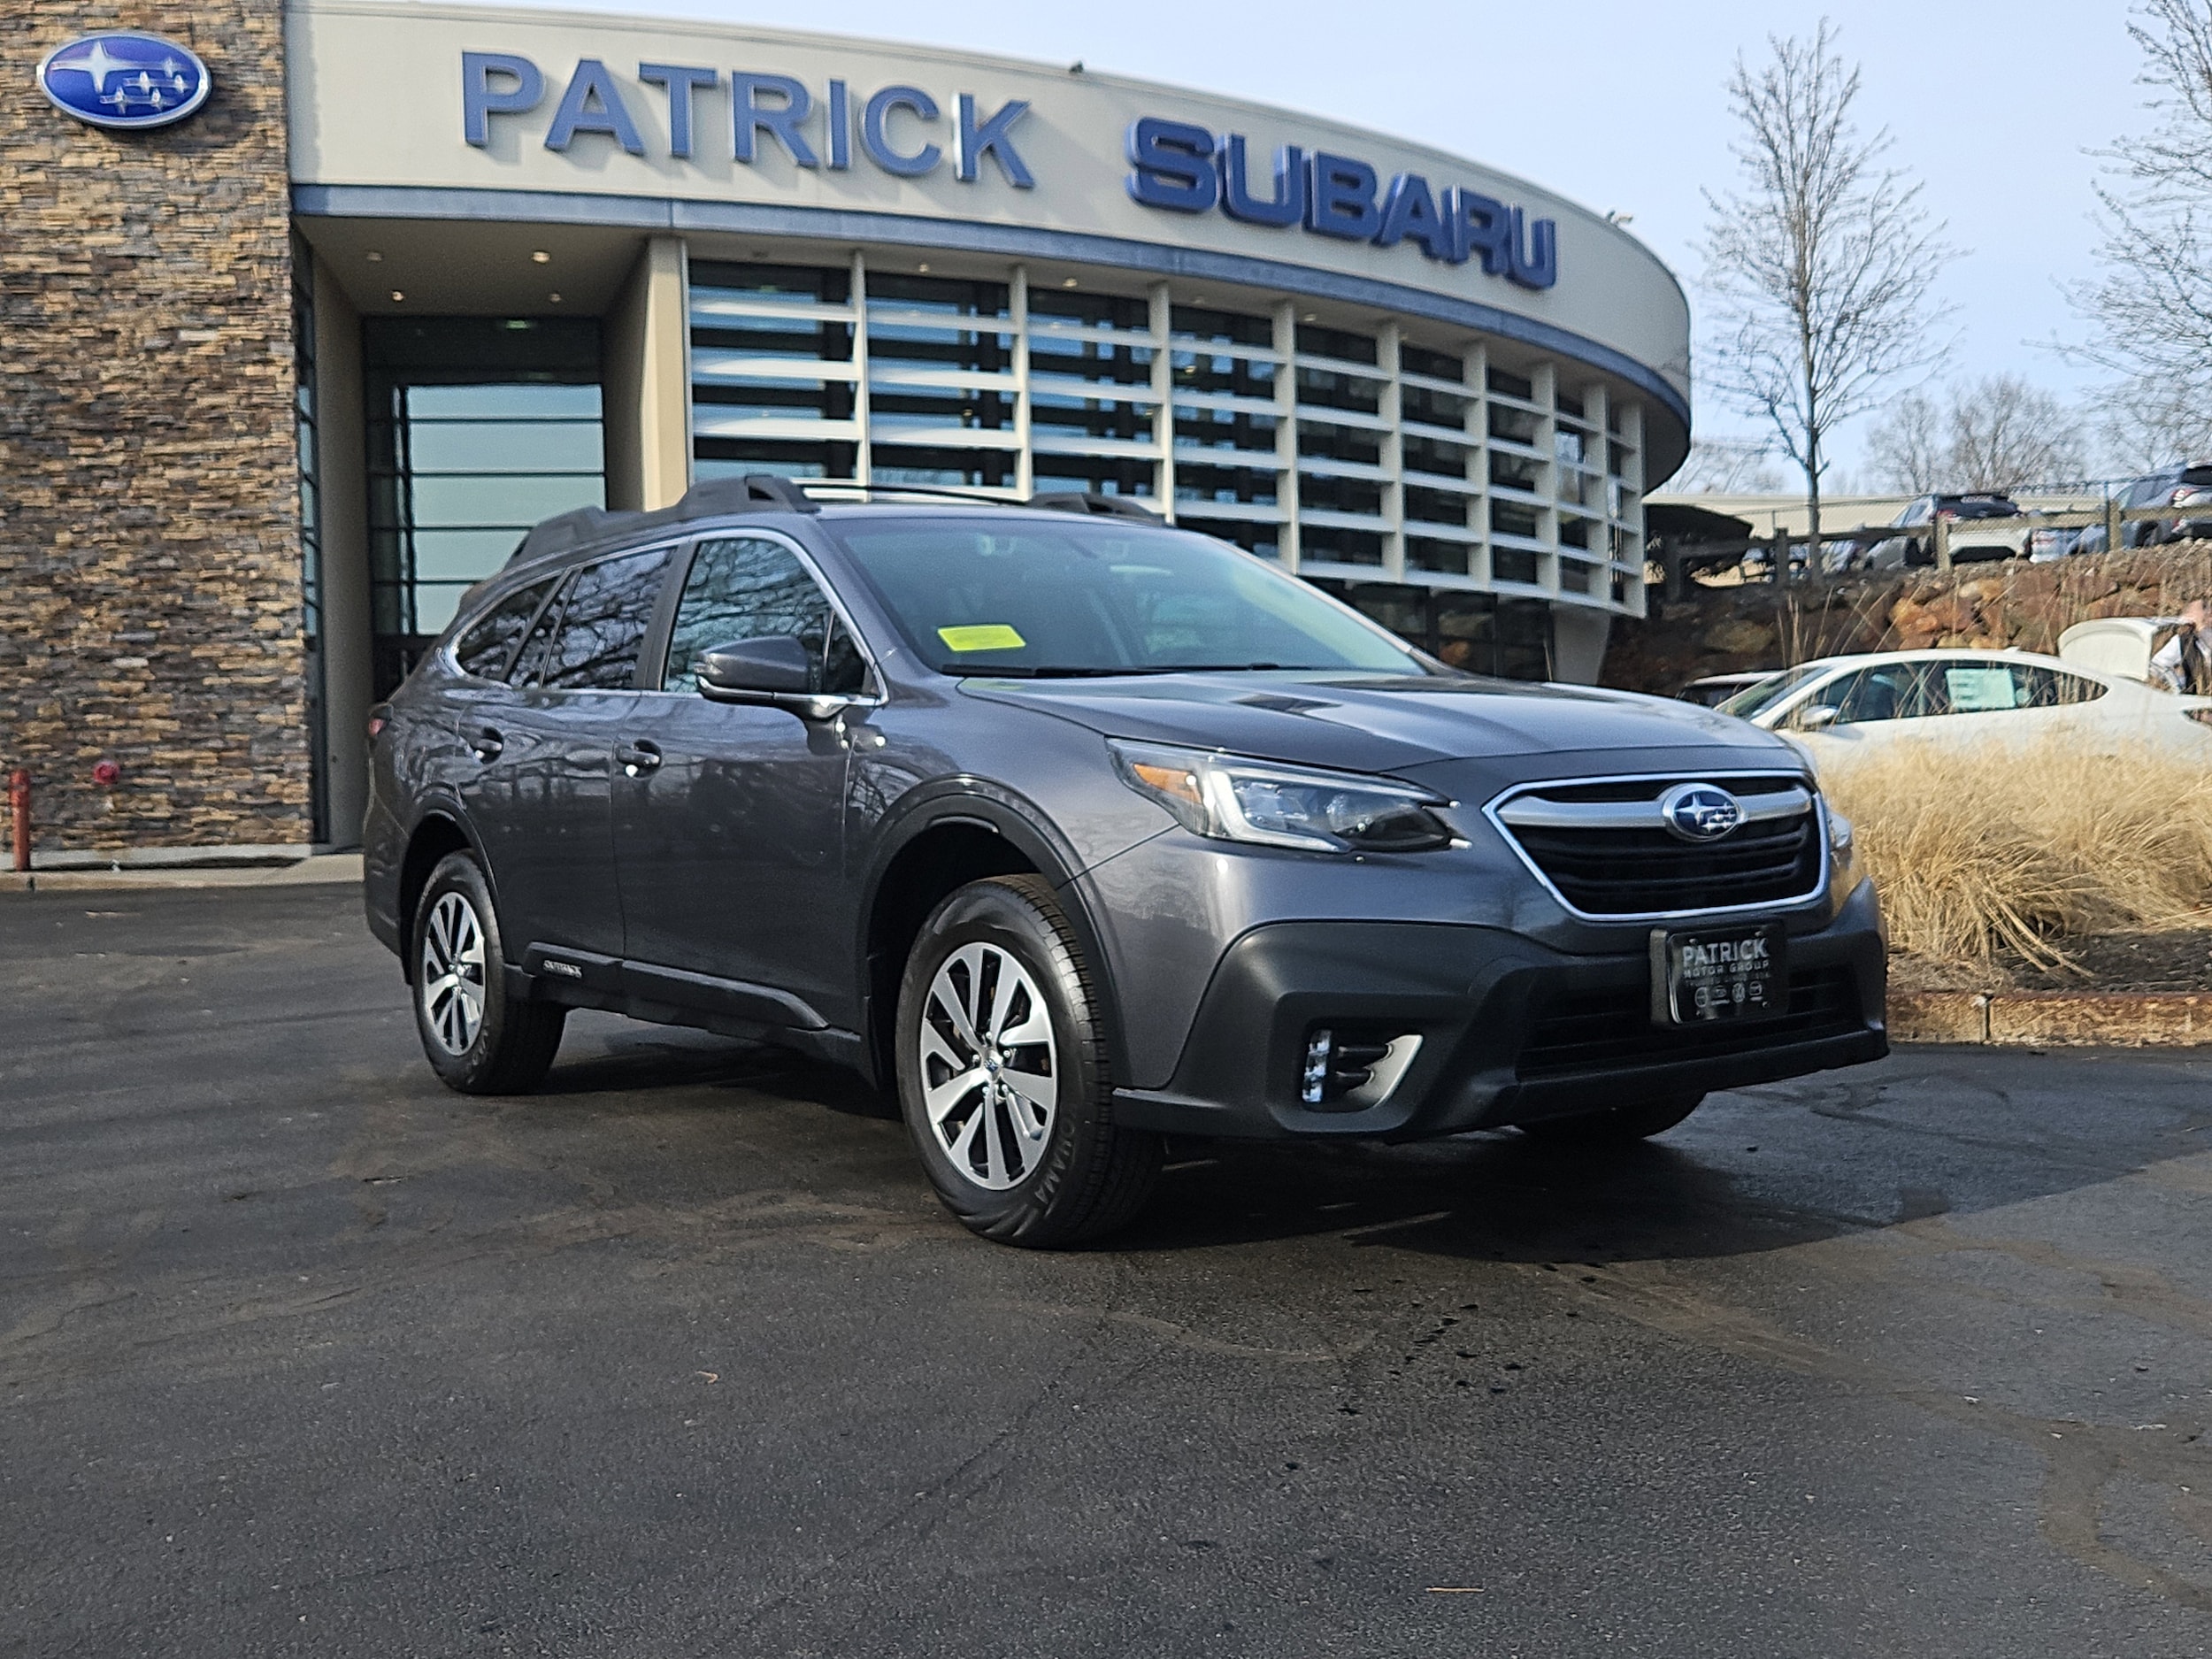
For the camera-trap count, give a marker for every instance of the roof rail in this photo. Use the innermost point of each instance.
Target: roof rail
(1101, 506)
(836, 487)
(738, 495)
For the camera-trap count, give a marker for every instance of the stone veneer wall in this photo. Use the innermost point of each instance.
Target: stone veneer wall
(150, 585)
(1736, 629)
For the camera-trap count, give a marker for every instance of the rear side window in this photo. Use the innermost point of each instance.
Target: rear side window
(2047, 689)
(750, 589)
(604, 619)
(488, 646)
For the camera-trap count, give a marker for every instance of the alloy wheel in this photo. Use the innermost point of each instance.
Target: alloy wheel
(451, 980)
(989, 1067)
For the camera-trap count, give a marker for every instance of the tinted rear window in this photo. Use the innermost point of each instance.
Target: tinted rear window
(489, 645)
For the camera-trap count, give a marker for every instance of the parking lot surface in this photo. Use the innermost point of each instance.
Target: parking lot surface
(300, 1354)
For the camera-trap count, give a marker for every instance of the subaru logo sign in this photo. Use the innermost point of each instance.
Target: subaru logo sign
(124, 79)
(1699, 811)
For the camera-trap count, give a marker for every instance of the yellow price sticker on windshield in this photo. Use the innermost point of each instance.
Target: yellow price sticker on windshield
(982, 636)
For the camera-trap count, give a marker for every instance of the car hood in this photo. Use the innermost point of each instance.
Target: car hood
(1359, 722)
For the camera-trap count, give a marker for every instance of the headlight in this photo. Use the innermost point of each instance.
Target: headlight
(1235, 799)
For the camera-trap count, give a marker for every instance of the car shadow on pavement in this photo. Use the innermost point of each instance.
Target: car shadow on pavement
(1497, 1197)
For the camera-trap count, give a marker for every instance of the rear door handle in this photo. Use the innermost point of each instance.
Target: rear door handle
(636, 759)
(486, 743)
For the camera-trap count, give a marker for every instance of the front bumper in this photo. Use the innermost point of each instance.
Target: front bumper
(1511, 1030)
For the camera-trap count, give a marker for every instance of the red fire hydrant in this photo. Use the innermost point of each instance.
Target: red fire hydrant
(20, 812)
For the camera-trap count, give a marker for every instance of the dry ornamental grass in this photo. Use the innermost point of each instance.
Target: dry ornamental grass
(2015, 849)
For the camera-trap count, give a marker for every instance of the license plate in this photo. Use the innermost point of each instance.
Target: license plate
(1721, 973)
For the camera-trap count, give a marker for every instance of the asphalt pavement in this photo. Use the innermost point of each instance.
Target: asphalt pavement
(300, 1354)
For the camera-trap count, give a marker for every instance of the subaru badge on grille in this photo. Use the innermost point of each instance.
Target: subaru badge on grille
(1699, 811)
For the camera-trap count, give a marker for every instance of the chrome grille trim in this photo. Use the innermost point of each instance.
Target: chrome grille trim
(1533, 812)
(1792, 787)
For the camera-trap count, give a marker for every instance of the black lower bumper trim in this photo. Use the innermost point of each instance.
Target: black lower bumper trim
(1510, 1031)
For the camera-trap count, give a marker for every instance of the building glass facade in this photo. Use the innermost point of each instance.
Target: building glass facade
(1397, 456)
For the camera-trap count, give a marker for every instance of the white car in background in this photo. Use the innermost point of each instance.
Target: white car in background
(1840, 706)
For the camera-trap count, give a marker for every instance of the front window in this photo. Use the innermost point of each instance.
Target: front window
(972, 597)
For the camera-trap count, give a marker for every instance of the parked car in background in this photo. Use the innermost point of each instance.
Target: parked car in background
(1842, 705)
(1968, 545)
(1711, 690)
(2188, 489)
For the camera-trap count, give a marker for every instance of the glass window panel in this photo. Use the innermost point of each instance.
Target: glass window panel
(1514, 426)
(535, 402)
(1509, 519)
(1228, 328)
(1447, 558)
(1326, 443)
(733, 457)
(1433, 408)
(1434, 506)
(1254, 537)
(769, 284)
(1091, 310)
(1224, 429)
(1222, 374)
(1092, 475)
(603, 624)
(1511, 385)
(489, 643)
(1246, 484)
(464, 555)
(1437, 365)
(904, 463)
(502, 500)
(1339, 547)
(751, 589)
(1340, 495)
(1516, 472)
(1427, 454)
(1325, 388)
(504, 446)
(1335, 343)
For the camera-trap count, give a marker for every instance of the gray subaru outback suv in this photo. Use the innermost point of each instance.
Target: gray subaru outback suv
(1077, 832)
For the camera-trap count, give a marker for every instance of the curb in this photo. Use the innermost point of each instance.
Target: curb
(2055, 1019)
(322, 869)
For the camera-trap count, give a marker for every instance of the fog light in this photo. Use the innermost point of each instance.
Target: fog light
(1320, 1051)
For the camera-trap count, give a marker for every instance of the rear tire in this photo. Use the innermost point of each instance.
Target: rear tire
(479, 1037)
(1616, 1126)
(1003, 1073)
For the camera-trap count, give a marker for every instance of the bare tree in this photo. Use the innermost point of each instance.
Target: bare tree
(2147, 422)
(1727, 466)
(2006, 434)
(1819, 266)
(1905, 449)
(2150, 310)
(1999, 433)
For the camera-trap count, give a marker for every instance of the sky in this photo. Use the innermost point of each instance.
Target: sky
(1995, 108)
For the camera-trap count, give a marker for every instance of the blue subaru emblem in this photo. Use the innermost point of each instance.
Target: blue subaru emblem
(1699, 811)
(121, 78)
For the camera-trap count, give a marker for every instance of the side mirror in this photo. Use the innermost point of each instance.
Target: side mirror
(1817, 718)
(756, 671)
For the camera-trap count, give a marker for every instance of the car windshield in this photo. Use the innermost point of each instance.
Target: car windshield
(1100, 597)
(1986, 507)
(1754, 700)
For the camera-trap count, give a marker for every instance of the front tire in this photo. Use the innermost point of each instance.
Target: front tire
(1003, 1073)
(1616, 1126)
(478, 1036)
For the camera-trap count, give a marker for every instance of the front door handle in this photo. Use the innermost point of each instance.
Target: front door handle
(636, 759)
(486, 742)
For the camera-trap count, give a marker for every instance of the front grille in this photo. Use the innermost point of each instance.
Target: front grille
(1588, 841)
(1592, 1031)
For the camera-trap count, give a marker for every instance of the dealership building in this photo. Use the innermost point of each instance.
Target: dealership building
(283, 373)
